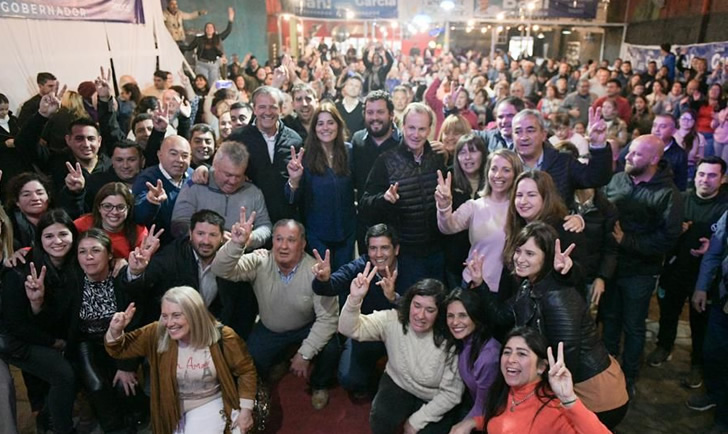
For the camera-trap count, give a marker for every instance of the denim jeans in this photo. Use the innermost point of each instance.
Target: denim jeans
(358, 364)
(7, 401)
(412, 268)
(626, 304)
(50, 366)
(715, 356)
(269, 348)
(211, 70)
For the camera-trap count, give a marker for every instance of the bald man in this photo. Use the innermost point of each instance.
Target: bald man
(157, 187)
(650, 222)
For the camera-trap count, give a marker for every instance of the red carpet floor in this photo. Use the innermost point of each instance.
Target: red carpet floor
(291, 411)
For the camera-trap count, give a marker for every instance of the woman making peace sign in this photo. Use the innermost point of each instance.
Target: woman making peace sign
(320, 183)
(533, 396)
(547, 301)
(39, 313)
(194, 364)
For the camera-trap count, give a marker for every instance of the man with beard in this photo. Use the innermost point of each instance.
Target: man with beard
(502, 136)
(704, 206)
(305, 102)
(187, 262)
(380, 135)
(401, 190)
(225, 193)
(650, 221)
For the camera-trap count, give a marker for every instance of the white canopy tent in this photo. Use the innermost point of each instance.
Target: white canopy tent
(74, 50)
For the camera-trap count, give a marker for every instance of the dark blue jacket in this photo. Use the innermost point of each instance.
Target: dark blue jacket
(340, 281)
(145, 213)
(326, 203)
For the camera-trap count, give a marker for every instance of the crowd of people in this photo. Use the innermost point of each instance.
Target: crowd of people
(171, 252)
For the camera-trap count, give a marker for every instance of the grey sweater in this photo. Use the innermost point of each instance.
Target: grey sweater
(196, 197)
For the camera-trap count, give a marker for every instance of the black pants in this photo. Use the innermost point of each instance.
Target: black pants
(612, 418)
(392, 406)
(671, 305)
(51, 367)
(96, 371)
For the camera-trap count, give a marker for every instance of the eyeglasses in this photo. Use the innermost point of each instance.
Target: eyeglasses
(108, 207)
(686, 118)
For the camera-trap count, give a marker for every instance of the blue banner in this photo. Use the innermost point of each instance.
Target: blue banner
(640, 55)
(342, 9)
(126, 11)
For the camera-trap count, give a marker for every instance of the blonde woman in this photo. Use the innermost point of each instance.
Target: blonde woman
(184, 347)
(453, 127)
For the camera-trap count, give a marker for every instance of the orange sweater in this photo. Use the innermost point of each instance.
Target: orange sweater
(553, 418)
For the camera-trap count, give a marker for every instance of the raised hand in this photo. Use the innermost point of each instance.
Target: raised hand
(35, 284)
(322, 268)
(391, 195)
(360, 285)
(231, 14)
(240, 232)
(75, 181)
(156, 194)
(387, 283)
(120, 320)
(475, 268)
(160, 118)
(597, 128)
(279, 77)
(185, 109)
(103, 90)
(295, 167)
(51, 102)
(559, 376)
(562, 260)
(139, 258)
(443, 192)
(35, 288)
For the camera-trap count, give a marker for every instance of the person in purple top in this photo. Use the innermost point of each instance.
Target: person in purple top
(478, 353)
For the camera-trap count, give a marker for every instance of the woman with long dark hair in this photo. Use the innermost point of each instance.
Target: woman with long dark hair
(320, 183)
(420, 385)
(688, 137)
(547, 300)
(477, 351)
(484, 216)
(39, 313)
(210, 50)
(534, 392)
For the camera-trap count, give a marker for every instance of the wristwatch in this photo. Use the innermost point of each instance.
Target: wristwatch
(308, 359)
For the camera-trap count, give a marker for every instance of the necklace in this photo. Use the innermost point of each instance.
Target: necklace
(515, 403)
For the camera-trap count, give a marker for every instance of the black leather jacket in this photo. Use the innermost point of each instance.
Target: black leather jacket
(560, 313)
